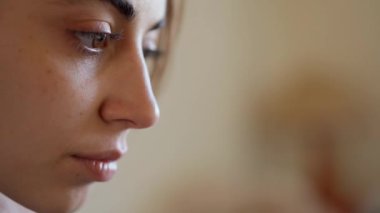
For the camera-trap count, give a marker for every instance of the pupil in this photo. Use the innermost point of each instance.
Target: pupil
(100, 41)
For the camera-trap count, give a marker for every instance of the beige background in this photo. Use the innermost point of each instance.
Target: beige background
(231, 54)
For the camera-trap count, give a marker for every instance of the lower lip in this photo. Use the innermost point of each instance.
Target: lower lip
(101, 171)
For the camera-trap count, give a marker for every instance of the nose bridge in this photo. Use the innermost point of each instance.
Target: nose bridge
(131, 97)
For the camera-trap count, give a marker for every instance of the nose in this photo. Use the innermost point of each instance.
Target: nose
(130, 101)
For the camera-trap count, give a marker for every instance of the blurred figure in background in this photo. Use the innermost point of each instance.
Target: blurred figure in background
(311, 123)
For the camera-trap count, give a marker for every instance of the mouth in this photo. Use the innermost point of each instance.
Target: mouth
(100, 166)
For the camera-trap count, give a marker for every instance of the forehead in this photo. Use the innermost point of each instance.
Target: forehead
(154, 9)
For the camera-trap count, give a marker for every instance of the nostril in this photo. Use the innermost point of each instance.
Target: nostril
(113, 111)
(135, 115)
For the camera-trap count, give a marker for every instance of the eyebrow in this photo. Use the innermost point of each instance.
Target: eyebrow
(124, 7)
(129, 11)
(160, 24)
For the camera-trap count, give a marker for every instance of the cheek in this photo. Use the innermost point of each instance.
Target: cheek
(38, 72)
(44, 91)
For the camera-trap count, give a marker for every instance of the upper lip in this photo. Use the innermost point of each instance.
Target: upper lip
(110, 150)
(106, 156)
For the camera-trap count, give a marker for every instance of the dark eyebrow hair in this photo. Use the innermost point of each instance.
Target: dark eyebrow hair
(124, 7)
(160, 24)
(129, 11)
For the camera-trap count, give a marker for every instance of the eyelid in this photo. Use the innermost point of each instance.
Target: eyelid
(87, 31)
(87, 39)
(93, 26)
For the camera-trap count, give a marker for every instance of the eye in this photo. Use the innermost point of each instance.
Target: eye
(151, 56)
(151, 48)
(95, 42)
(151, 53)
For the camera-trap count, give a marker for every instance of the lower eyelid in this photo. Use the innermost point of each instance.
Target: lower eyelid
(77, 46)
(84, 51)
(92, 50)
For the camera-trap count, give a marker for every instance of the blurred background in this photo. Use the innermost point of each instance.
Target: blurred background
(268, 107)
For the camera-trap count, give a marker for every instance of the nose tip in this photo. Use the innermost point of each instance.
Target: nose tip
(146, 115)
(153, 117)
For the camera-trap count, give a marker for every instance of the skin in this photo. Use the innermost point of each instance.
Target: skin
(58, 100)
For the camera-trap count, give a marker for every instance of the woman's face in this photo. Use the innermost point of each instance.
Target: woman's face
(73, 81)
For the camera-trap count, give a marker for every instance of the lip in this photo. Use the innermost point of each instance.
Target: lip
(100, 166)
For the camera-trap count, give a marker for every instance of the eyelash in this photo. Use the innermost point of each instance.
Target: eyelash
(149, 53)
(106, 37)
(87, 41)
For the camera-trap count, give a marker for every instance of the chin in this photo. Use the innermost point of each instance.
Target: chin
(60, 207)
(55, 202)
